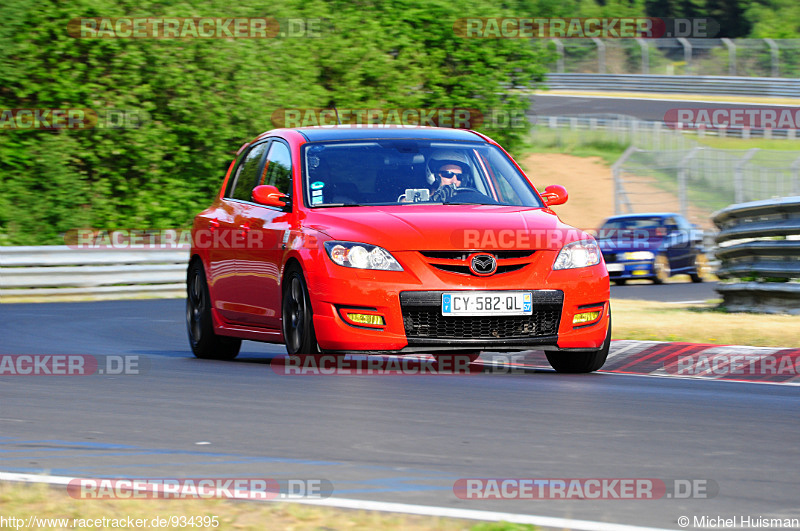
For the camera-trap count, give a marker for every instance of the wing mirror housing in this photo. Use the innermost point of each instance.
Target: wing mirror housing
(268, 195)
(555, 194)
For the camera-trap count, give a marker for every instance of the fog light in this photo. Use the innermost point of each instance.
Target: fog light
(585, 317)
(366, 319)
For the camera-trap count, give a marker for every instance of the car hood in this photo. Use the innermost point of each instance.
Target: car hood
(444, 227)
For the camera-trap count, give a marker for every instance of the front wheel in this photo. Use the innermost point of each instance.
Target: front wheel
(581, 362)
(661, 269)
(702, 269)
(297, 317)
(199, 324)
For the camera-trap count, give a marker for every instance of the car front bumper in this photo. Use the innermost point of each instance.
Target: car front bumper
(410, 303)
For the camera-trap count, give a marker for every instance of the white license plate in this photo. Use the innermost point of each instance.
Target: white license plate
(615, 267)
(466, 303)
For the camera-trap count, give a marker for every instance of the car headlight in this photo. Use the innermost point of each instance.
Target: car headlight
(638, 255)
(583, 253)
(361, 256)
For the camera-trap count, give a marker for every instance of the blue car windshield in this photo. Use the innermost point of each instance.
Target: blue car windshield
(412, 171)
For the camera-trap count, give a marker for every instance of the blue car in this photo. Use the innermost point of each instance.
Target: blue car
(652, 246)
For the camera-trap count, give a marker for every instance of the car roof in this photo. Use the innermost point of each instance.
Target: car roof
(645, 215)
(364, 132)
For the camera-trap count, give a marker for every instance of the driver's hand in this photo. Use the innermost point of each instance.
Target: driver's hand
(444, 194)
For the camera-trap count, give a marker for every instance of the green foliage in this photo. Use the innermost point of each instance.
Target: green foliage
(205, 97)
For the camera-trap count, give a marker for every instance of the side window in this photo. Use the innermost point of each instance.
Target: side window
(247, 173)
(278, 171)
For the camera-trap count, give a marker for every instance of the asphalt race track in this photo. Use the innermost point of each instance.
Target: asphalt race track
(399, 438)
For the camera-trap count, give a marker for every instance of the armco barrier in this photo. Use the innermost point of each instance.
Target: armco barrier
(722, 85)
(53, 272)
(759, 251)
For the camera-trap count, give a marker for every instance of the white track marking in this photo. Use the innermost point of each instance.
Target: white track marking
(404, 508)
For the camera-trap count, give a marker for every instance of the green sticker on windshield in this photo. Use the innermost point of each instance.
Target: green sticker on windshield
(317, 185)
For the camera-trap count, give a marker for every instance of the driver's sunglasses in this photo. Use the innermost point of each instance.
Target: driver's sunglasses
(447, 174)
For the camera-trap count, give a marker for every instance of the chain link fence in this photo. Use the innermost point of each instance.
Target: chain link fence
(709, 57)
(670, 170)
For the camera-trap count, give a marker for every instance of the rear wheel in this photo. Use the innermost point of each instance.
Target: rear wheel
(661, 269)
(297, 317)
(702, 269)
(581, 362)
(199, 324)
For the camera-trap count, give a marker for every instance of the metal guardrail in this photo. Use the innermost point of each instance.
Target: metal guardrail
(55, 272)
(722, 85)
(759, 251)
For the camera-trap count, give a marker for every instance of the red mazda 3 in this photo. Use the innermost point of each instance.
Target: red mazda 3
(392, 239)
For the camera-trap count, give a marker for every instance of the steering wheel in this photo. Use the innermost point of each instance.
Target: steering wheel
(445, 193)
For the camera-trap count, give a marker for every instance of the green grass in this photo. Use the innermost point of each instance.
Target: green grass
(24, 500)
(578, 143)
(775, 144)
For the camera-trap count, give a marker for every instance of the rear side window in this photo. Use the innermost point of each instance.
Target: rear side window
(278, 171)
(247, 173)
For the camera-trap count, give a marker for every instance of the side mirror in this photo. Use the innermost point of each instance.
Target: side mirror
(555, 194)
(269, 195)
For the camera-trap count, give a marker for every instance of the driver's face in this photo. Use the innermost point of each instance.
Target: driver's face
(450, 174)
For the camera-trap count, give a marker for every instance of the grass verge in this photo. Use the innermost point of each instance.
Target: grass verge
(22, 501)
(701, 323)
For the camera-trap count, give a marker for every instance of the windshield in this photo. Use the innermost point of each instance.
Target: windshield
(412, 171)
(624, 227)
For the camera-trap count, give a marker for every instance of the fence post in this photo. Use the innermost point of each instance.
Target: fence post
(796, 176)
(601, 55)
(774, 52)
(683, 199)
(731, 55)
(619, 190)
(645, 55)
(738, 175)
(560, 51)
(687, 53)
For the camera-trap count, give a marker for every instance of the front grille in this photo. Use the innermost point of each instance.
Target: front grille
(456, 261)
(423, 319)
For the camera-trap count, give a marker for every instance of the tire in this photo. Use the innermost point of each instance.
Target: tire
(199, 323)
(661, 269)
(581, 362)
(702, 270)
(297, 318)
(619, 281)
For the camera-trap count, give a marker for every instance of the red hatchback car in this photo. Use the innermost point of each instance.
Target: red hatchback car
(392, 239)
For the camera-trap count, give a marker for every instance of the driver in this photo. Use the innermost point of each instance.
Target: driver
(446, 172)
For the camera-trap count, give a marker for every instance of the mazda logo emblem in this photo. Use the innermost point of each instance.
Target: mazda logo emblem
(482, 264)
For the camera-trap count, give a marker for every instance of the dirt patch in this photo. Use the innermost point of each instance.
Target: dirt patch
(591, 190)
(587, 179)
